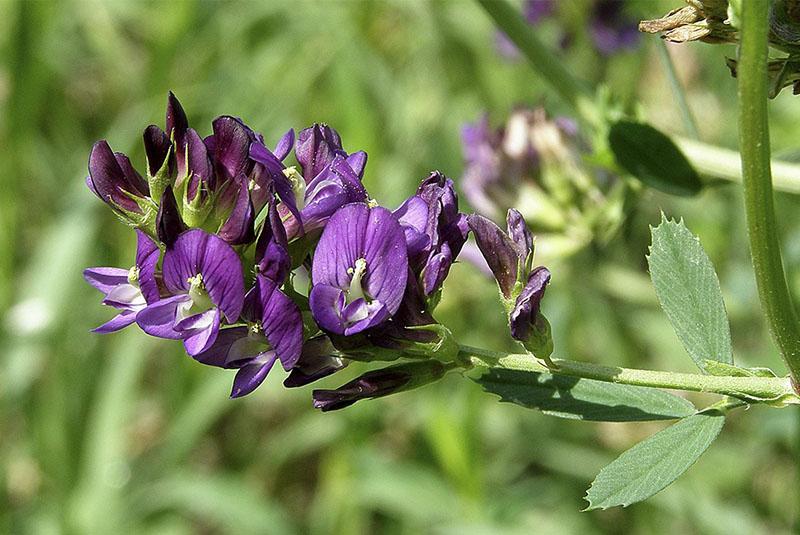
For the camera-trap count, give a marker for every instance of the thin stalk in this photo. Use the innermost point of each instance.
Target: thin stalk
(758, 195)
(677, 89)
(717, 162)
(763, 388)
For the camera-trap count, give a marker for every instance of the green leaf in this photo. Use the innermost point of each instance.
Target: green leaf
(583, 399)
(651, 465)
(653, 158)
(688, 290)
(719, 368)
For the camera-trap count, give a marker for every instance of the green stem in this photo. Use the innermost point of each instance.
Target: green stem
(766, 388)
(680, 96)
(758, 196)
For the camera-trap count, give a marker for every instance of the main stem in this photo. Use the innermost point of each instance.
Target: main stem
(763, 388)
(757, 181)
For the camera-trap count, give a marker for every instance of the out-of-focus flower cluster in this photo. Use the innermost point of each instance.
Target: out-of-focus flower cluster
(249, 260)
(542, 167)
(608, 26)
(717, 21)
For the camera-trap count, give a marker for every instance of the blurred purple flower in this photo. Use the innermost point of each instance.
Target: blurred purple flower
(360, 270)
(128, 290)
(203, 276)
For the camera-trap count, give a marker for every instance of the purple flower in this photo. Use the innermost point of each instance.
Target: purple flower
(526, 309)
(360, 270)
(317, 146)
(379, 383)
(274, 332)
(335, 186)
(114, 180)
(204, 277)
(434, 228)
(508, 254)
(128, 290)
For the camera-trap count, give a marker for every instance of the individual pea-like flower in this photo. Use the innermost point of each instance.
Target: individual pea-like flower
(510, 255)
(541, 167)
(434, 228)
(274, 332)
(114, 180)
(359, 271)
(328, 179)
(204, 279)
(128, 290)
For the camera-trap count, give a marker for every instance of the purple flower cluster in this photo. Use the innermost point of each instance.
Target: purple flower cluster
(228, 231)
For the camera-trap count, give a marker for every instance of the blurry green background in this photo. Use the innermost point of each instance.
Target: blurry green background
(125, 434)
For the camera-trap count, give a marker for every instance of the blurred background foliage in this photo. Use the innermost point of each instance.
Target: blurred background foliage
(125, 434)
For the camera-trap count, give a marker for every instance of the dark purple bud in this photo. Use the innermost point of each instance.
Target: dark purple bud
(317, 146)
(231, 148)
(379, 383)
(177, 125)
(526, 309)
(169, 223)
(114, 180)
(319, 359)
(201, 177)
(157, 147)
(239, 229)
(285, 144)
(505, 255)
(272, 248)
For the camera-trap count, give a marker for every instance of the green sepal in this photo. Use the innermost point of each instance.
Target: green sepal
(540, 342)
(159, 182)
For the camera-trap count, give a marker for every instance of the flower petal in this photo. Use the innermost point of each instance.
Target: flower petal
(158, 319)
(526, 308)
(284, 146)
(217, 353)
(281, 321)
(251, 375)
(147, 254)
(203, 329)
(105, 279)
(238, 229)
(326, 303)
(120, 321)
